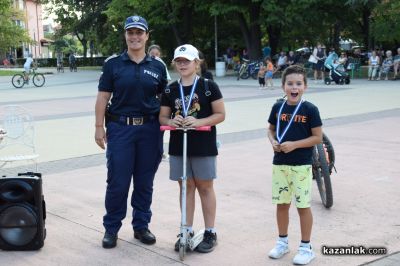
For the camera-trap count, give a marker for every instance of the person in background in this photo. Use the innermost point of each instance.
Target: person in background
(59, 61)
(11, 59)
(204, 72)
(245, 54)
(72, 62)
(387, 64)
(320, 55)
(155, 50)
(282, 61)
(27, 67)
(396, 63)
(6, 62)
(343, 59)
(291, 58)
(373, 65)
(266, 51)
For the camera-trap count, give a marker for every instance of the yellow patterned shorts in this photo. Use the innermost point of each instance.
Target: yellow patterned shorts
(288, 180)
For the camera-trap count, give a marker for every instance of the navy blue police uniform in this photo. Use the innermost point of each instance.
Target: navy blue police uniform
(134, 139)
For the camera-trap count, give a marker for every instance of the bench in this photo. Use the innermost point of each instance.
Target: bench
(354, 65)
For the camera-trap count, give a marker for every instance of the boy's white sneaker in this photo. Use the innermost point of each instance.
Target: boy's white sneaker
(280, 249)
(304, 256)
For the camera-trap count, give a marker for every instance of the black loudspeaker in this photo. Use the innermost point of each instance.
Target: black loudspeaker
(22, 212)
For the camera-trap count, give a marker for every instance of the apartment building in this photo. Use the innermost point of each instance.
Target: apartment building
(33, 23)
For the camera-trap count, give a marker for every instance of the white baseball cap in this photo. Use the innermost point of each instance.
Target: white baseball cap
(187, 51)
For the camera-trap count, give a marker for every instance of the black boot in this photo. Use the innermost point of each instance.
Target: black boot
(145, 236)
(109, 240)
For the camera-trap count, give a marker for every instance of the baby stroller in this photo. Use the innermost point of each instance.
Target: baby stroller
(337, 72)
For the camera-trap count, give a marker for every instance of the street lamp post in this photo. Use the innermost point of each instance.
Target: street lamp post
(216, 39)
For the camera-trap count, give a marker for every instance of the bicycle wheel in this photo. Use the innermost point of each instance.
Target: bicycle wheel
(38, 80)
(245, 74)
(322, 175)
(18, 80)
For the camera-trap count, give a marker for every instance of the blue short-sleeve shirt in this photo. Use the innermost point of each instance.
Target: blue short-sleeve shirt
(134, 86)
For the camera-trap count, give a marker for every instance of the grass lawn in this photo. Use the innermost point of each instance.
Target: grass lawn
(9, 72)
(89, 67)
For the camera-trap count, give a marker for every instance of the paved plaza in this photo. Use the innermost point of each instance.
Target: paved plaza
(362, 120)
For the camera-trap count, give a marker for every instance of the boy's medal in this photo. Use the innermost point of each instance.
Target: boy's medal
(185, 108)
(278, 136)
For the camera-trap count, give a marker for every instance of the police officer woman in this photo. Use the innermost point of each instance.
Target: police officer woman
(133, 138)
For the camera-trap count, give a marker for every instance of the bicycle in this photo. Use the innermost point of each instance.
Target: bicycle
(18, 80)
(60, 67)
(72, 67)
(247, 69)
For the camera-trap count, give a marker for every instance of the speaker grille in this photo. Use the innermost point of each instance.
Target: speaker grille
(18, 225)
(16, 191)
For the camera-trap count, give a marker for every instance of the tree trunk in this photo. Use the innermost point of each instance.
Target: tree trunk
(274, 34)
(365, 26)
(83, 41)
(255, 32)
(336, 35)
(252, 31)
(84, 44)
(187, 14)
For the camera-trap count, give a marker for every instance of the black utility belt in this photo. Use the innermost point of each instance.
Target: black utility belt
(130, 121)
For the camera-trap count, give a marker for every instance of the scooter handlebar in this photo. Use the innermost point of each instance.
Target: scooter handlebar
(203, 128)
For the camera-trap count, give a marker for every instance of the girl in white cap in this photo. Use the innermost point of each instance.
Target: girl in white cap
(193, 101)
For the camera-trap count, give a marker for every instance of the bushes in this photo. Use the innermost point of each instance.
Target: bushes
(80, 61)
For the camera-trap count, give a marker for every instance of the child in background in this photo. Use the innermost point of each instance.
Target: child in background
(261, 75)
(269, 72)
(294, 128)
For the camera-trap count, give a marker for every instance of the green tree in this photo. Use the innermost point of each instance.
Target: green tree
(364, 8)
(66, 44)
(171, 22)
(80, 18)
(10, 34)
(386, 21)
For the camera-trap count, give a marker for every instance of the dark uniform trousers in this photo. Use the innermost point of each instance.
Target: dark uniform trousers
(133, 151)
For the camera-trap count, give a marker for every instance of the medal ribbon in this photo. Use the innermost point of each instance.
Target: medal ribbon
(278, 136)
(184, 107)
